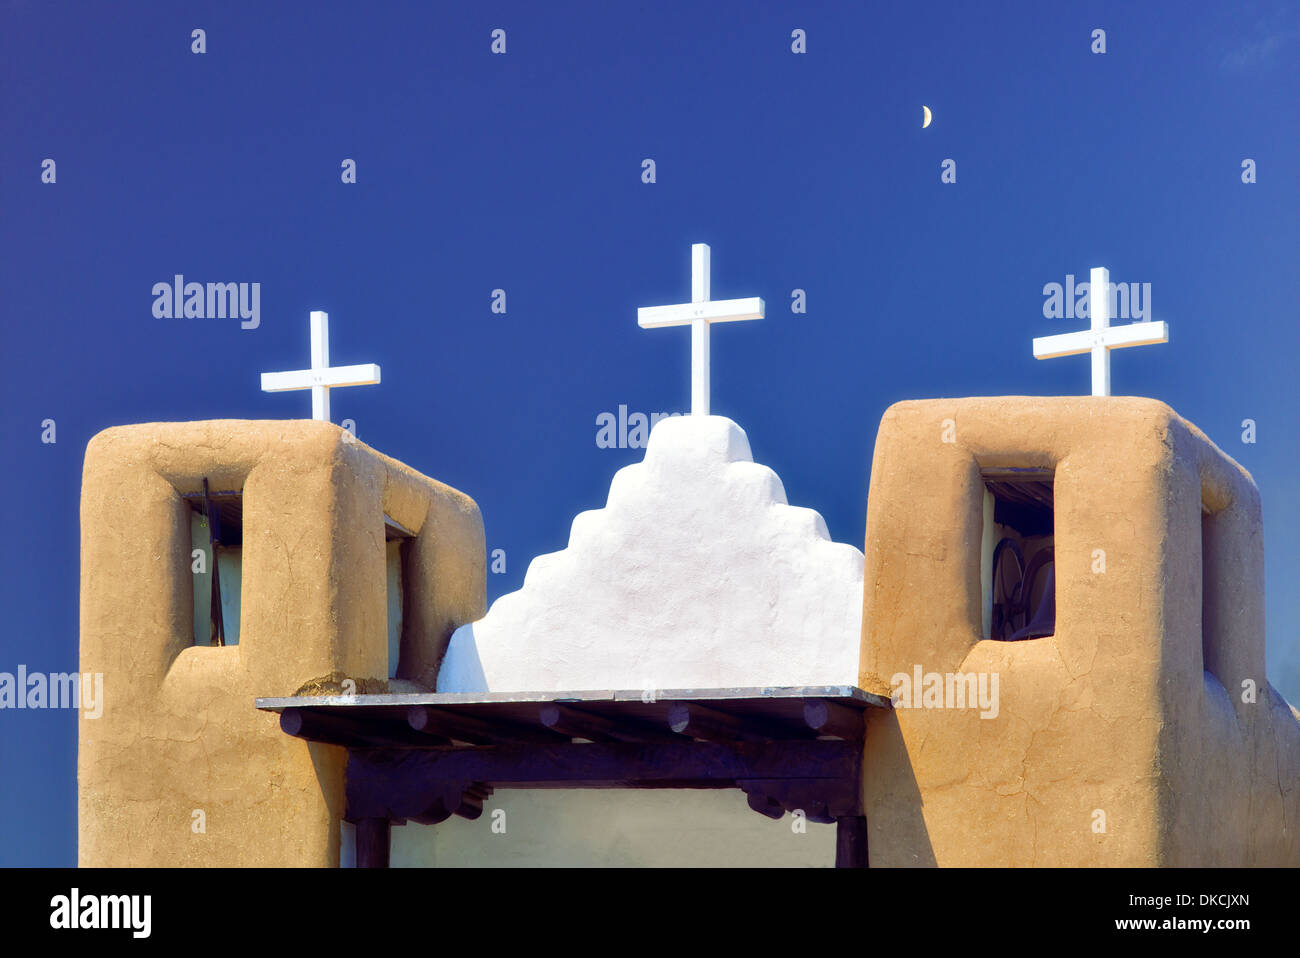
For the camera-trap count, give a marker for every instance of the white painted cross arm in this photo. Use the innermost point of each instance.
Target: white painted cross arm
(1115, 337)
(714, 311)
(365, 374)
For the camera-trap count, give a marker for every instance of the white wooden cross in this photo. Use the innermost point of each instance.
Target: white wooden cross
(700, 312)
(321, 378)
(1102, 337)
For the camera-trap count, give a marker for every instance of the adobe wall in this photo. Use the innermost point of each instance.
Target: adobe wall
(1116, 714)
(179, 732)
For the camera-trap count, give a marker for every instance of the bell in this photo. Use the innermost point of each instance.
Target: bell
(1043, 622)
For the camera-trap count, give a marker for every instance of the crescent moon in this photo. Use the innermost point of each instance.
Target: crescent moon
(928, 117)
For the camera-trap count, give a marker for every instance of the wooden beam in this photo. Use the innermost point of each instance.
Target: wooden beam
(834, 720)
(470, 728)
(578, 724)
(710, 725)
(339, 729)
(403, 783)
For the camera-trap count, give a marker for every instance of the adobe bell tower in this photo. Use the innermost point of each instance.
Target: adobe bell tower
(1135, 725)
(336, 542)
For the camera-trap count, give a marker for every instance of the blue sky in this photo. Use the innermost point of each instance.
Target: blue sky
(523, 172)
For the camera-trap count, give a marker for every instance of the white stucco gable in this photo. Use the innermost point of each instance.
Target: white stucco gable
(695, 574)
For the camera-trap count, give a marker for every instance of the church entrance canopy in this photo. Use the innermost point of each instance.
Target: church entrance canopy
(424, 757)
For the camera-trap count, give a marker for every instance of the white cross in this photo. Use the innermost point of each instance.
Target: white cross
(1102, 337)
(321, 378)
(700, 312)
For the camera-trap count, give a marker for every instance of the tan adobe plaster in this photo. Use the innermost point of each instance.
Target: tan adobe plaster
(1117, 714)
(179, 734)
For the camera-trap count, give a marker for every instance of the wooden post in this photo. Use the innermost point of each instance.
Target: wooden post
(851, 842)
(372, 843)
